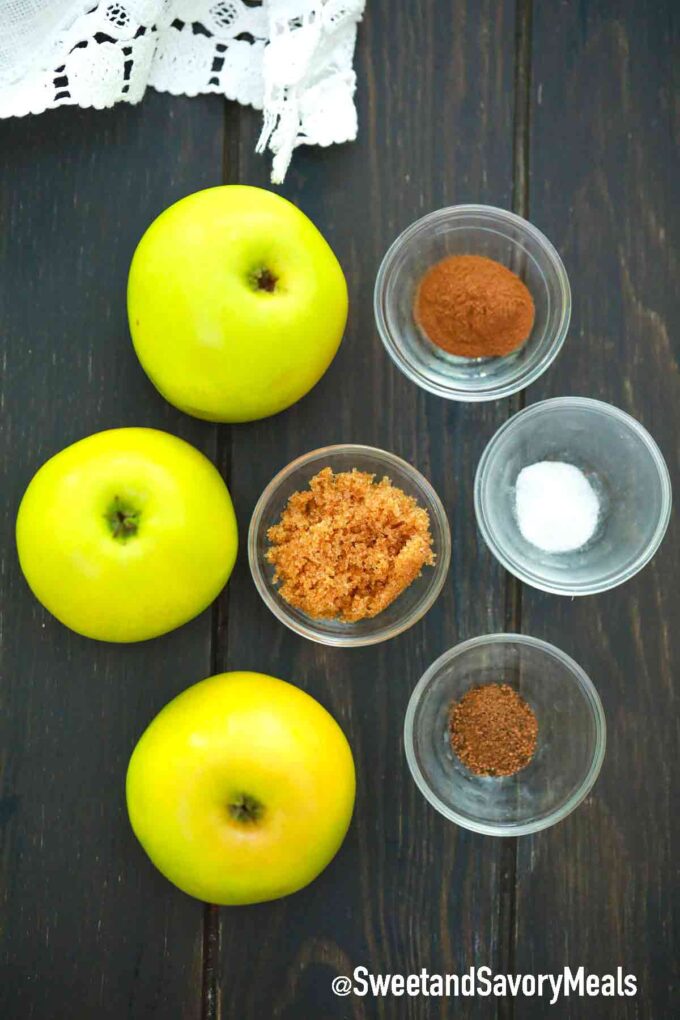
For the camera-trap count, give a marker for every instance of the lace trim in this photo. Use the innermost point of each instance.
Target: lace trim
(292, 57)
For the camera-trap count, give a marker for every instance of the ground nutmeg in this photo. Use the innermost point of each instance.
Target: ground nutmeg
(493, 730)
(474, 307)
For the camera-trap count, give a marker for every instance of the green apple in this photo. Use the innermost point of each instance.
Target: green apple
(126, 534)
(241, 789)
(236, 303)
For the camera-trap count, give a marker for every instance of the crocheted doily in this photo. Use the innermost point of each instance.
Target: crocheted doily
(291, 58)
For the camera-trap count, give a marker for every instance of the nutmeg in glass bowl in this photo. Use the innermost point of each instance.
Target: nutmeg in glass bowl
(570, 742)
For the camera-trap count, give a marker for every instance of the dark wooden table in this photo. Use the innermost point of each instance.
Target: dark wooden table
(570, 115)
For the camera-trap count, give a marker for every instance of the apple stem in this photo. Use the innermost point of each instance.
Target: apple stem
(123, 520)
(245, 808)
(264, 279)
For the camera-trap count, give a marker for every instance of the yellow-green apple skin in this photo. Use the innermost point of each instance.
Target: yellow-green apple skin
(126, 534)
(237, 304)
(241, 789)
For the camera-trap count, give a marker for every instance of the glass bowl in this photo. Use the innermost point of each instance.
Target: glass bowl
(410, 606)
(570, 743)
(471, 230)
(622, 463)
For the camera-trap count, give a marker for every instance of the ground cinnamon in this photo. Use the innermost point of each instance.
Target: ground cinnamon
(474, 307)
(493, 730)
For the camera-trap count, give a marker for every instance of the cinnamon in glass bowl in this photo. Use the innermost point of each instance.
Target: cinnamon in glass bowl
(474, 307)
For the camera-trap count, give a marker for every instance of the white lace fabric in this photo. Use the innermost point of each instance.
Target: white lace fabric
(291, 58)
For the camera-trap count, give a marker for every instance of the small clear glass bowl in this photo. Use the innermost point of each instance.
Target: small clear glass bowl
(471, 230)
(623, 464)
(570, 743)
(410, 606)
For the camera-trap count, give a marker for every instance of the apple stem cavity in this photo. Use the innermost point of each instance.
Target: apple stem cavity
(263, 279)
(245, 809)
(123, 519)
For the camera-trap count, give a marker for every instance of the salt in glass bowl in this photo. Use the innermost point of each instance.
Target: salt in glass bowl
(471, 230)
(622, 463)
(570, 742)
(410, 606)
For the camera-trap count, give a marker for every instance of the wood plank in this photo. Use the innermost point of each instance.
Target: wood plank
(601, 888)
(408, 890)
(87, 926)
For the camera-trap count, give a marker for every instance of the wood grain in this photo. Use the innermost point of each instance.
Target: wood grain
(87, 926)
(601, 889)
(407, 890)
(576, 124)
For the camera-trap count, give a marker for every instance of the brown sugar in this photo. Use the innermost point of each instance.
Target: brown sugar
(493, 730)
(348, 546)
(474, 307)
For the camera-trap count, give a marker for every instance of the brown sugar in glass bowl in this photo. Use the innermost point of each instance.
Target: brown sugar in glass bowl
(474, 307)
(347, 546)
(414, 601)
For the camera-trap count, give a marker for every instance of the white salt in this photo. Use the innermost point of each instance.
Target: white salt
(557, 507)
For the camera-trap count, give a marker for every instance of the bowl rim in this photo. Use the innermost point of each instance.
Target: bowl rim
(558, 814)
(349, 640)
(520, 380)
(533, 579)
